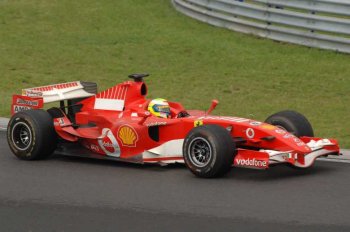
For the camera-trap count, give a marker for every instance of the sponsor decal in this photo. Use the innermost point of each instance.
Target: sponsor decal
(156, 124)
(255, 123)
(295, 139)
(128, 136)
(280, 131)
(287, 136)
(21, 103)
(33, 103)
(286, 156)
(268, 127)
(252, 162)
(95, 148)
(17, 108)
(293, 156)
(108, 143)
(198, 123)
(301, 144)
(61, 121)
(250, 133)
(231, 119)
(31, 93)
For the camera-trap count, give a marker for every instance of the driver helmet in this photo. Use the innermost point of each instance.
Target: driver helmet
(159, 107)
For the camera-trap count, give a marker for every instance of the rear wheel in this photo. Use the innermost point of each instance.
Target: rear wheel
(292, 122)
(31, 135)
(209, 151)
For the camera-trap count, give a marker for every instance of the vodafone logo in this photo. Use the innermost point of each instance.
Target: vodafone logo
(250, 133)
(252, 162)
(109, 143)
(27, 102)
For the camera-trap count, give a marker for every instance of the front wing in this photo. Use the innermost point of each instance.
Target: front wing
(262, 159)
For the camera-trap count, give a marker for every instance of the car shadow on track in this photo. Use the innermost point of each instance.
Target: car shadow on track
(119, 164)
(280, 172)
(272, 174)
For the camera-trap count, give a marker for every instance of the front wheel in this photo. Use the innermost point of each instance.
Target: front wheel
(31, 135)
(293, 122)
(209, 151)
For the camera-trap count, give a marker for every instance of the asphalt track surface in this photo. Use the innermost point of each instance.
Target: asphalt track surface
(77, 194)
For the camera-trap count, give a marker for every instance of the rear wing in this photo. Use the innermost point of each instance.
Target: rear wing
(35, 98)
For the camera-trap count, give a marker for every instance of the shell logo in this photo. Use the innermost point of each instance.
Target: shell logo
(128, 136)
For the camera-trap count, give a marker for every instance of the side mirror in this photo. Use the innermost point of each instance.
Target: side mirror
(214, 103)
(144, 114)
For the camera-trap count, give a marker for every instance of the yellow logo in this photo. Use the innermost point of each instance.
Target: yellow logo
(128, 136)
(268, 127)
(198, 123)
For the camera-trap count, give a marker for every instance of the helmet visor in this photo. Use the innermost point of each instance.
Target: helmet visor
(161, 109)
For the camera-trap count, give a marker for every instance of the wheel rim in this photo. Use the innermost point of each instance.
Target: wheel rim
(21, 136)
(200, 152)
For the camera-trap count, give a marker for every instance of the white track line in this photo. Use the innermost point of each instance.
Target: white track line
(344, 158)
(3, 123)
(334, 160)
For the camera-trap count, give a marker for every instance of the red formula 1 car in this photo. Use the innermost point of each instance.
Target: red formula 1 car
(115, 124)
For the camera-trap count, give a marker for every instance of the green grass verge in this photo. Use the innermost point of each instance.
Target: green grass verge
(43, 42)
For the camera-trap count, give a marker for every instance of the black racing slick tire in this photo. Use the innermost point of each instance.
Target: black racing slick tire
(31, 135)
(209, 151)
(292, 122)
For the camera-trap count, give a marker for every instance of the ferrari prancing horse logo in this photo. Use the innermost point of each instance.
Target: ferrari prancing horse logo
(198, 123)
(128, 136)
